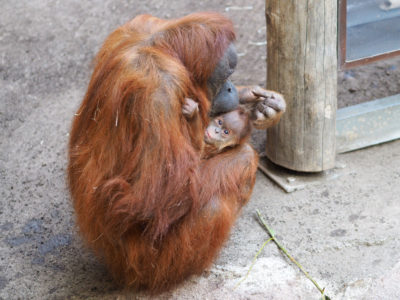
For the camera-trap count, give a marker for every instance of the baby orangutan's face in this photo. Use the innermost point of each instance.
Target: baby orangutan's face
(224, 130)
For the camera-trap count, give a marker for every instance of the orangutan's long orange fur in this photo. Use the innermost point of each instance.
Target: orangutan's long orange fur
(145, 201)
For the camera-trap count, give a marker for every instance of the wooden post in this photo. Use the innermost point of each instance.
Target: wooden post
(302, 65)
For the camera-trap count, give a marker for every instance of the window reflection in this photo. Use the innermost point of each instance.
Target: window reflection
(373, 28)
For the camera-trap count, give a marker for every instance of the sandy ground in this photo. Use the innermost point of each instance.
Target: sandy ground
(346, 232)
(369, 82)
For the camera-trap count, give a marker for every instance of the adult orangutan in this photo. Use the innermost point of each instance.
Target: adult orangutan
(145, 200)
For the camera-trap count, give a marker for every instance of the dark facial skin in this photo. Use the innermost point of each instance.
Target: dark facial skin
(226, 100)
(218, 82)
(225, 130)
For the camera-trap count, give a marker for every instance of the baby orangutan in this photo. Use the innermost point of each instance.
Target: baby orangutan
(233, 128)
(226, 131)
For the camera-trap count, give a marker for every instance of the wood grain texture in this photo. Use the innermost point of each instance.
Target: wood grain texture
(302, 65)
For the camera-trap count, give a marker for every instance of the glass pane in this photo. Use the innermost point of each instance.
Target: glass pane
(373, 28)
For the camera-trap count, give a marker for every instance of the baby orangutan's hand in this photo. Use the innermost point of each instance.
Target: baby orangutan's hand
(190, 108)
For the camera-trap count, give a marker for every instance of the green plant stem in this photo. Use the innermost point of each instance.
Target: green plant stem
(254, 261)
(270, 232)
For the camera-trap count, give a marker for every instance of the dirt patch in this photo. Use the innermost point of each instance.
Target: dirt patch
(369, 82)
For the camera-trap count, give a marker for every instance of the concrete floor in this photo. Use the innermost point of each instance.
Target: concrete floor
(345, 232)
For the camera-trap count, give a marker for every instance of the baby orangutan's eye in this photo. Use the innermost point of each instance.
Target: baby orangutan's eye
(219, 122)
(226, 131)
